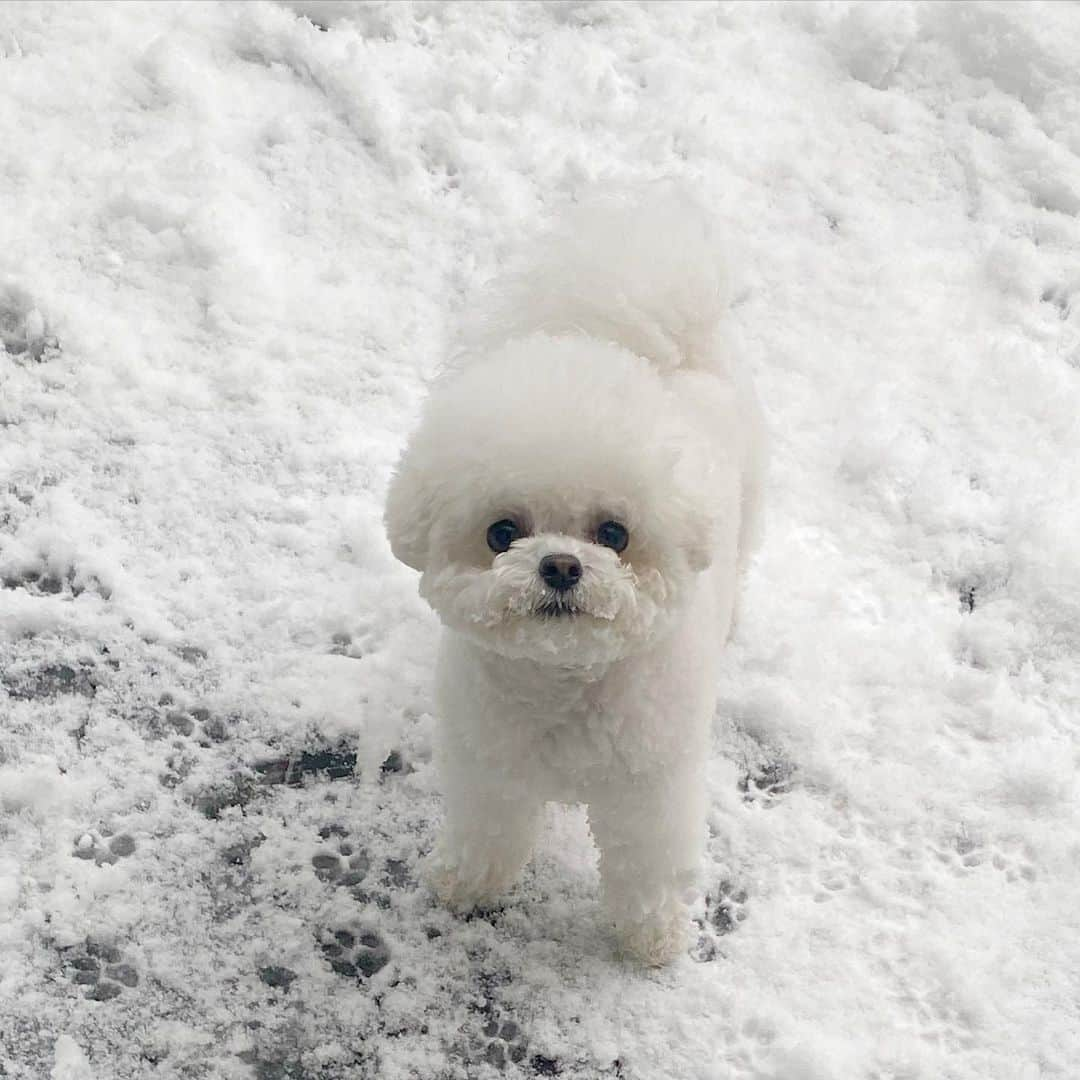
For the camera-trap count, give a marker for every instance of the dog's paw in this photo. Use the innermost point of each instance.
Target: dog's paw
(458, 893)
(654, 941)
(464, 890)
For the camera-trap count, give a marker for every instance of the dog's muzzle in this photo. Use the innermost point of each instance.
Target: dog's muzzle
(560, 572)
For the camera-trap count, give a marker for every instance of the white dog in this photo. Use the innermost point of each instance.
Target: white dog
(580, 497)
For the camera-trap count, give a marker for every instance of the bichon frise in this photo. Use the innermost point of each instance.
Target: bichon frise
(581, 496)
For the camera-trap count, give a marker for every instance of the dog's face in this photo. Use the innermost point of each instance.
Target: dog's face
(556, 505)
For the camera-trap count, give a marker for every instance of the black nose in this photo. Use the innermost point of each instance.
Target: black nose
(561, 572)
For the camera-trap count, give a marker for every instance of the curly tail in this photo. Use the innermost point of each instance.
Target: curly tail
(641, 270)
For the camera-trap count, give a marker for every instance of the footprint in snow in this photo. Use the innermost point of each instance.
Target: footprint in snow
(190, 721)
(91, 846)
(505, 1041)
(725, 909)
(101, 968)
(767, 781)
(340, 862)
(354, 952)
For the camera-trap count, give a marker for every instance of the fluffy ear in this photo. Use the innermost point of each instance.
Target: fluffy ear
(409, 513)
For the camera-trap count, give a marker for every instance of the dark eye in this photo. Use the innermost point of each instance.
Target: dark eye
(613, 535)
(502, 534)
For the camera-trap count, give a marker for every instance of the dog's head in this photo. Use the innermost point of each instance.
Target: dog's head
(556, 502)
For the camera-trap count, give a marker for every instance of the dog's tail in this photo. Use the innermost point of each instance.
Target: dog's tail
(641, 269)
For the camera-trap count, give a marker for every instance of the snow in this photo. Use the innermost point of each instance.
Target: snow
(233, 248)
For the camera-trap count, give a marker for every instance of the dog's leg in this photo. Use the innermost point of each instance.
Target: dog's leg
(650, 834)
(487, 838)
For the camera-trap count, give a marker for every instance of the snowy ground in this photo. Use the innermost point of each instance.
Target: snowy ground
(232, 243)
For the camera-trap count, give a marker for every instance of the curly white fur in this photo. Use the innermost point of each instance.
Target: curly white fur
(596, 386)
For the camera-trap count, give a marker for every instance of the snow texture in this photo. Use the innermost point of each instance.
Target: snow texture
(235, 240)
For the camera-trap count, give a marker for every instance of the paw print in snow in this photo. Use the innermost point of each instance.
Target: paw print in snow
(768, 781)
(493, 1038)
(397, 875)
(101, 968)
(506, 1042)
(1016, 862)
(91, 846)
(340, 862)
(969, 851)
(725, 909)
(277, 977)
(354, 953)
(189, 721)
(178, 766)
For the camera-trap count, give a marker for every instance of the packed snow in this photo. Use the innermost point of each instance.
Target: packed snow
(235, 240)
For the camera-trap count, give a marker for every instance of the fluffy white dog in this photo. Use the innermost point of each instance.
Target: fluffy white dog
(580, 497)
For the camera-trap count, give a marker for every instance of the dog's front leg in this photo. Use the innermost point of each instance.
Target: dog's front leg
(650, 832)
(487, 837)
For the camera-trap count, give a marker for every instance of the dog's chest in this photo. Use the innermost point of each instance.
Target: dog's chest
(579, 733)
(564, 732)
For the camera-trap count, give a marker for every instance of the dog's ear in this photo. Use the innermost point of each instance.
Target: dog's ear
(409, 512)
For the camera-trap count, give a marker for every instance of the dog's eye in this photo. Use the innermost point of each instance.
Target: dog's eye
(613, 535)
(502, 534)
